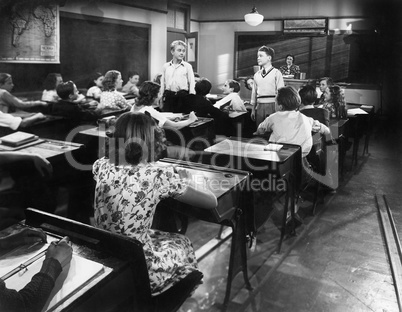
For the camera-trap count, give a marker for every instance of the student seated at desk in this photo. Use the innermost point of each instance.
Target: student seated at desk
(335, 102)
(50, 84)
(308, 96)
(131, 85)
(8, 102)
(290, 126)
(73, 104)
(110, 98)
(129, 185)
(95, 86)
(148, 99)
(203, 107)
(36, 292)
(231, 90)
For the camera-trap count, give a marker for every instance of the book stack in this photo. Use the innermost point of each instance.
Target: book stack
(18, 138)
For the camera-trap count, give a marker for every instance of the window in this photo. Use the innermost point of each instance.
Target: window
(178, 17)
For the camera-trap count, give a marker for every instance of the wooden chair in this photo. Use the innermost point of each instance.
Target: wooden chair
(104, 245)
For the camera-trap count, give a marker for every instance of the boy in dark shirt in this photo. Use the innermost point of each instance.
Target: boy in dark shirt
(204, 108)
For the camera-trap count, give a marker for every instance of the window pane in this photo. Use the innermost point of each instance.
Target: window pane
(170, 18)
(180, 19)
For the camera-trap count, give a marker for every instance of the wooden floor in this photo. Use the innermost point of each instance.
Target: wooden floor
(337, 261)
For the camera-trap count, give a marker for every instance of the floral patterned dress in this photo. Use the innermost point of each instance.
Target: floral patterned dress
(125, 201)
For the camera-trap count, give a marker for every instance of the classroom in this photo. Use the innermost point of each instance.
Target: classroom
(199, 155)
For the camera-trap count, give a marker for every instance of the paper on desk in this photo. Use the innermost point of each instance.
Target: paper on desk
(366, 107)
(273, 147)
(356, 111)
(78, 273)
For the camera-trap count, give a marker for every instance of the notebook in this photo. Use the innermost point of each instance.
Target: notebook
(74, 277)
(273, 147)
(18, 138)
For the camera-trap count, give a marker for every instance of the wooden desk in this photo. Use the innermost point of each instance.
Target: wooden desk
(339, 133)
(230, 188)
(125, 284)
(250, 155)
(195, 136)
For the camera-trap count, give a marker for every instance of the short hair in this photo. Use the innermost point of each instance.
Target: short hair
(196, 75)
(50, 81)
(65, 89)
(329, 80)
(267, 50)
(308, 94)
(288, 97)
(175, 43)
(234, 84)
(132, 73)
(4, 77)
(140, 136)
(292, 56)
(202, 87)
(109, 83)
(147, 93)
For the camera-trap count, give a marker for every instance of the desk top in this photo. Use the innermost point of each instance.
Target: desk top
(48, 148)
(254, 149)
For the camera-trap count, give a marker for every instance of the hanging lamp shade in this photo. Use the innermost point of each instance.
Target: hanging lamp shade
(253, 18)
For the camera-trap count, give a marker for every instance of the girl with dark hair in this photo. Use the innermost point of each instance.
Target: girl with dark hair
(335, 102)
(110, 98)
(95, 86)
(50, 84)
(148, 98)
(130, 185)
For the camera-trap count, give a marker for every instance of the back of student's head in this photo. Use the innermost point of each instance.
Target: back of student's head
(109, 82)
(202, 87)
(308, 94)
(234, 84)
(50, 82)
(176, 43)
(148, 92)
(141, 137)
(65, 89)
(337, 95)
(288, 98)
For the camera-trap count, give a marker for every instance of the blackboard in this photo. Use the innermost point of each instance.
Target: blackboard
(317, 56)
(90, 45)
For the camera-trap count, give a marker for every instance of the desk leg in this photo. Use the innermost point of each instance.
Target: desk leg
(238, 255)
(290, 194)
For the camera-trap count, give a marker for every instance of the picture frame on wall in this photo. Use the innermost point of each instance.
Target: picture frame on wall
(303, 26)
(192, 50)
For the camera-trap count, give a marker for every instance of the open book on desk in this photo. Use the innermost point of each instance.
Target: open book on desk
(74, 276)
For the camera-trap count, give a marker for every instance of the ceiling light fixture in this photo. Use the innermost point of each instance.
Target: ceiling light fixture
(253, 18)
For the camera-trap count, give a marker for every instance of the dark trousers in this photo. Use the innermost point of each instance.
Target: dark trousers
(173, 101)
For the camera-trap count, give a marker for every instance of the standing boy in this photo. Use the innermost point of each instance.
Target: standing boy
(177, 78)
(267, 81)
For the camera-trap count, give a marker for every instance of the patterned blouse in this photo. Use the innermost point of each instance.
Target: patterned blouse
(113, 100)
(293, 69)
(125, 201)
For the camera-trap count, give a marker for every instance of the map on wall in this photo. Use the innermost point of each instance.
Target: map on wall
(30, 34)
